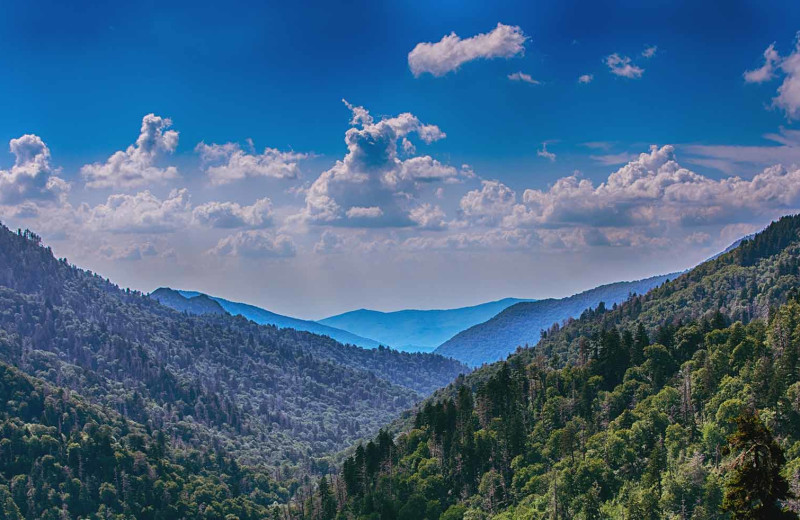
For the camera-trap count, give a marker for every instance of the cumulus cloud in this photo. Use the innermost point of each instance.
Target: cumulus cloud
(775, 65)
(224, 163)
(135, 166)
(31, 178)
(622, 66)
(550, 156)
(233, 215)
(428, 216)
(489, 205)
(586, 78)
(144, 212)
(525, 78)
(449, 53)
(652, 191)
(255, 244)
(373, 176)
(139, 213)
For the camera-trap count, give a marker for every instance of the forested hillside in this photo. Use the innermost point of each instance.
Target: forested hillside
(683, 403)
(62, 457)
(265, 395)
(521, 324)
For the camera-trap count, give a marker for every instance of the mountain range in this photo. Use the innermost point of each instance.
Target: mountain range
(185, 301)
(416, 330)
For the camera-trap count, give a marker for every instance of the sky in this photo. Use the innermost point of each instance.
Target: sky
(314, 158)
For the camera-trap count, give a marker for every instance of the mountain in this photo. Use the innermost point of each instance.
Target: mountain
(416, 330)
(265, 317)
(683, 402)
(260, 394)
(200, 304)
(521, 324)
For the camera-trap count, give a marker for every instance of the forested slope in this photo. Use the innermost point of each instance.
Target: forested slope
(682, 403)
(63, 457)
(266, 395)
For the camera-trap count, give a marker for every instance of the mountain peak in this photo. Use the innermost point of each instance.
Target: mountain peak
(200, 304)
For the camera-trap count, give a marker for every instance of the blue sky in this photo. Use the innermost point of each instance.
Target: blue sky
(81, 78)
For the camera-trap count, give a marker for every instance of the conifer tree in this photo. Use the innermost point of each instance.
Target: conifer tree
(755, 487)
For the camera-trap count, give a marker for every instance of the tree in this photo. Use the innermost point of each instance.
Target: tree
(755, 487)
(327, 502)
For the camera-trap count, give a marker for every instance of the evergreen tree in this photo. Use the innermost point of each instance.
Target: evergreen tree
(755, 487)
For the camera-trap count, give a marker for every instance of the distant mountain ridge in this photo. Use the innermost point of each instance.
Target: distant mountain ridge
(265, 317)
(521, 324)
(417, 330)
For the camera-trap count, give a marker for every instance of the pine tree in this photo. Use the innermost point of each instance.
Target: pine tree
(755, 486)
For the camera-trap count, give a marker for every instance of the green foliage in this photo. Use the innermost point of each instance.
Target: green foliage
(755, 487)
(61, 457)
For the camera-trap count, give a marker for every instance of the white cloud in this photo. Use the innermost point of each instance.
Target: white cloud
(372, 175)
(227, 162)
(31, 177)
(448, 54)
(135, 166)
(233, 215)
(139, 213)
(145, 213)
(622, 66)
(357, 212)
(490, 204)
(651, 191)
(765, 72)
(526, 78)
(788, 98)
(550, 156)
(649, 51)
(255, 244)
(428, 216)
(788, 95)
(586, 78)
